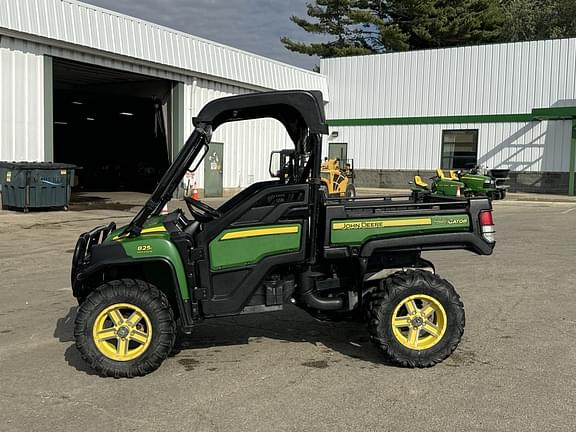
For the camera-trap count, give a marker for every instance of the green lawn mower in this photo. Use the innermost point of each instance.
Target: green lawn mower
(458, 183)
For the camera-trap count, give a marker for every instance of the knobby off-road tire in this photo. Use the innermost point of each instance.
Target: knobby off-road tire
(416, 318)
(125, 328)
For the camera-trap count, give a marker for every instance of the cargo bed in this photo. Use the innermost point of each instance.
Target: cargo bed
(363, 226)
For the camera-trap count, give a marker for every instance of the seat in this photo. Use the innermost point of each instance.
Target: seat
(419, 182)
(440, 174)
(454, 175)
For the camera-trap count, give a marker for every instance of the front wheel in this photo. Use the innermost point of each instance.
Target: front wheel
(125, 328)
(416, 318)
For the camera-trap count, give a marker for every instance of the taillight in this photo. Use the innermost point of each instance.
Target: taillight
(487, 226)
(486, 218)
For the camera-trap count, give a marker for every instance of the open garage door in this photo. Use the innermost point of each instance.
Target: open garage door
(113, 124)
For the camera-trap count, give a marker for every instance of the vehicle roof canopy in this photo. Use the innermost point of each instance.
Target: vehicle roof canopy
(297, 110)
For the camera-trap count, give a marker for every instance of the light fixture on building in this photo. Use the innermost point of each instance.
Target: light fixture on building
(334, 134)
(128, 114)
(90, 118)
(60, 123)
(77, 103)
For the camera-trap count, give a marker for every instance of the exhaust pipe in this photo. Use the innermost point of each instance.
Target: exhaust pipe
(307, 296)
(321, 303)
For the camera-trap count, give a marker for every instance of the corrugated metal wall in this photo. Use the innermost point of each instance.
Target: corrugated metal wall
(76, 31)
(487, 79)
(89, 26)
(247, 145)
(480, 80)
(535, 146)
(22, 92)
(21, 101)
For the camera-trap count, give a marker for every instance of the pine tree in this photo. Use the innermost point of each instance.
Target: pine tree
(353, 29)
(444, 23)
(538, 19)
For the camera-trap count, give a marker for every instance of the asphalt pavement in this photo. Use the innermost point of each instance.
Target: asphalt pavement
(284, 371)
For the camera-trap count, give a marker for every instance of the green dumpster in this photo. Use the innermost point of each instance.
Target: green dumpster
(36, 185)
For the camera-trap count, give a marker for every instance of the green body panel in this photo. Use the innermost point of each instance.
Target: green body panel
(237, 252)
(447, 187)
(154, 245)
(352, 232)
(476, 183)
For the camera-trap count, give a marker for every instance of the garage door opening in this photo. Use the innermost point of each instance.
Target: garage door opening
(113, 124)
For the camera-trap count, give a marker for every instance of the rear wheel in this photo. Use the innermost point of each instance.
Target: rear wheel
(125, 328)
(416, 318)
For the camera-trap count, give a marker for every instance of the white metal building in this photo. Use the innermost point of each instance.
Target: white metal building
(509, 106)
(116, 94)
(59, 59)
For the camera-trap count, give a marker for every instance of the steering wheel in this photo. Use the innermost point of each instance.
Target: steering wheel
(201, 212)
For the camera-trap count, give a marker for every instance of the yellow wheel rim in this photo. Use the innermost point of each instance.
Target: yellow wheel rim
(122, 332)
(419, 322)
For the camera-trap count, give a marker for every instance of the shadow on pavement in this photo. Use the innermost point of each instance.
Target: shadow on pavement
(64, 332)
(290, 325)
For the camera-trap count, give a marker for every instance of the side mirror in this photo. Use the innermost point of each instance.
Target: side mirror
(274, 167)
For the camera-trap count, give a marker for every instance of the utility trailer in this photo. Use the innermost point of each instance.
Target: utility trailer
(276, 242)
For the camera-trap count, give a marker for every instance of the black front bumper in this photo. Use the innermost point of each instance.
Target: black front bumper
(82, 251)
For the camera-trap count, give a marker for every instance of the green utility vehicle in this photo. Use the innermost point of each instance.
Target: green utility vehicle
(276, 242)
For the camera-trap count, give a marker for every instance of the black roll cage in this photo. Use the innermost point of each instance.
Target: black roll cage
(302, 114)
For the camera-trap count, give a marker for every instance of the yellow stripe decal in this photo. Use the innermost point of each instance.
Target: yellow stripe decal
(155, 229)
(382, 223)
(260, 232)
(152, 230)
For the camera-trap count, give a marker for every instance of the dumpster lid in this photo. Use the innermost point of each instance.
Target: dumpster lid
(36, 165)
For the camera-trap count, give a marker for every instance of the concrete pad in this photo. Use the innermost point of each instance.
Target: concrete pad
(287, 372)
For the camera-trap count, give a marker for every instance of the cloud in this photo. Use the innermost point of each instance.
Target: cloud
(251, 25)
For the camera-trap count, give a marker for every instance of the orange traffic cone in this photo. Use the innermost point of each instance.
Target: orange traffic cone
(195, 194)
(164, 209)
(458, 192)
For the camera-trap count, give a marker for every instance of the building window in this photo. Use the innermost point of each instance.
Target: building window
(459, 149)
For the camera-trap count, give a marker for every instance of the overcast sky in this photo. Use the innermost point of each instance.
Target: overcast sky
(251, 25)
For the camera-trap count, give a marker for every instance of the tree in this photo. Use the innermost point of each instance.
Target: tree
(356, 27)
(444, 23)
(538, 19)
(351, 27)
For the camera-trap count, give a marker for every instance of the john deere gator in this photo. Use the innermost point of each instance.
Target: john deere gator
(276, 242)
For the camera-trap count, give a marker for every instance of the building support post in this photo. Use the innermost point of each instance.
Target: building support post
(48, 109)
(177, 128)
(177, 119)
(572, 168)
